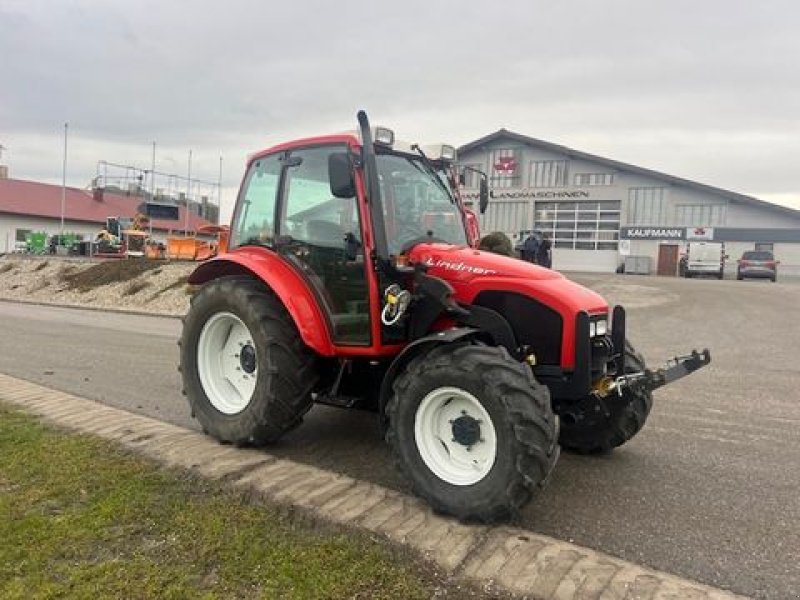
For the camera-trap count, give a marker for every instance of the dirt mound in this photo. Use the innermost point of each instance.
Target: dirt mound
(157, 287)
(113, 271)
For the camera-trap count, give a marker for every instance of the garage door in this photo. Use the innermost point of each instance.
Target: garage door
(585, 234)
(592, 261)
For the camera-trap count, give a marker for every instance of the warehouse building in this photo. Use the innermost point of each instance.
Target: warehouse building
(29, 206)
(598, 211)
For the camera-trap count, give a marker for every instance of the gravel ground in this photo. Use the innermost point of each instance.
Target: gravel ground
(160, 289)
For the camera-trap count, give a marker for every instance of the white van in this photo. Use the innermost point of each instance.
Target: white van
(703, 258)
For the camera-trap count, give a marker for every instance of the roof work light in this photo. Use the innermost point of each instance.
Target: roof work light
(384, 136)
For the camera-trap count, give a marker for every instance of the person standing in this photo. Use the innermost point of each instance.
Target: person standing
(544, 255)
(530, 248)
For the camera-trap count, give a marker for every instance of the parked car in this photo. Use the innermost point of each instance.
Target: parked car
(757, 263)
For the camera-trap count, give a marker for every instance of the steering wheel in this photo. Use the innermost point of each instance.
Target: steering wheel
(420, 240)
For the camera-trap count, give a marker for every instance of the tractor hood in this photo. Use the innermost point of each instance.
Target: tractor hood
(462, 263)
(471, 271)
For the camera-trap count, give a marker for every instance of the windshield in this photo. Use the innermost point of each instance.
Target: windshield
(418, 203)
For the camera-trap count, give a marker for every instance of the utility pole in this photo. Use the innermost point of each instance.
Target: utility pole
(188, 191)
(153, 174)
(64, 178)
(152, 187)
(219, 190)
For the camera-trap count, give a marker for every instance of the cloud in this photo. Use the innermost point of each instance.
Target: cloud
(703, 90)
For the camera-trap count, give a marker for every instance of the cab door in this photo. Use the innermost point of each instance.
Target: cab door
(321, 235)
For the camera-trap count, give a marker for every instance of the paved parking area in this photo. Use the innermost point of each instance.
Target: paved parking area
(708, 490)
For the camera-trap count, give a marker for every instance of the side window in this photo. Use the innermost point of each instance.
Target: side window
(311, 213)
(255, 217)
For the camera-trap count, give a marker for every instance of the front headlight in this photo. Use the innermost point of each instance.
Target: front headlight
(602, 327)
(598, 328)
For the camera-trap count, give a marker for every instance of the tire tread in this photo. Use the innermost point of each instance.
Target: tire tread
(526, 404)
(286, 397)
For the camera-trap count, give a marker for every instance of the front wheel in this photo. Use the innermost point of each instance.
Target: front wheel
(589, 427)
(472, 430)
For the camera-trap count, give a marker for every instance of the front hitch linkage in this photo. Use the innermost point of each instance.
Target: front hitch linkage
(675, 369)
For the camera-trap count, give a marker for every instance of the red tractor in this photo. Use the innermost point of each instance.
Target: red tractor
(350, 280)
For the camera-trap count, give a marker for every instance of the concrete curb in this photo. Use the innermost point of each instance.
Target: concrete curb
(519, 561)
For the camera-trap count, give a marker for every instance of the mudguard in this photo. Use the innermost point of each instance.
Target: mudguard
(288, 285)
(448, 336)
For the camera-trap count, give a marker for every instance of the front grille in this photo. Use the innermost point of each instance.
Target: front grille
(535, 326)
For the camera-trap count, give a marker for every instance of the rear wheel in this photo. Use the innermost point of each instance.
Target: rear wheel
(246, 373)
(589, 427)
(472, 430)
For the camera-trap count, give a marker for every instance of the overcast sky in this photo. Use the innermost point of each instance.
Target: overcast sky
(708, 90)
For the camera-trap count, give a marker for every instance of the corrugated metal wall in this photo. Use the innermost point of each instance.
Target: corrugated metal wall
(509, 216)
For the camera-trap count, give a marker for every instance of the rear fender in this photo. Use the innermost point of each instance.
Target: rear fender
(413, 350)
(287, 284)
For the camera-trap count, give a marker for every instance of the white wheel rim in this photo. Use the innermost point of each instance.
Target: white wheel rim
(436, 426)
(227, 363)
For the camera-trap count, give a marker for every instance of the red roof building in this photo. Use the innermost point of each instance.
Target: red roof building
(34, 199)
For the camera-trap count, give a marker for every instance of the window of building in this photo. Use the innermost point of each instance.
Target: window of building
(594, 179)
(647, 206)
(504, 171)
(548, 173)
(22, 234)
(580, 225)
(700, 215)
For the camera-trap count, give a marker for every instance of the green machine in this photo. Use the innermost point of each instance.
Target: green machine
(36, 242)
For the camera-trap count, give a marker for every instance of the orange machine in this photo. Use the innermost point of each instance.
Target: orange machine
(192, 248)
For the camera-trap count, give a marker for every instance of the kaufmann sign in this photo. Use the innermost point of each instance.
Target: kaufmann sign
(653, 233)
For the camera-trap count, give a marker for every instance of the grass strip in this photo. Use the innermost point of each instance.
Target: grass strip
(81, 518)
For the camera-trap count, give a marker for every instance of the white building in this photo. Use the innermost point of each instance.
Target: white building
(597, 210)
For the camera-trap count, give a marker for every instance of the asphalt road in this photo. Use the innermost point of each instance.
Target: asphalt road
(709, 490)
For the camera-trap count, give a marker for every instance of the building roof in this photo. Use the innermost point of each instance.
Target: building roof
(31, 198)
(505, 134)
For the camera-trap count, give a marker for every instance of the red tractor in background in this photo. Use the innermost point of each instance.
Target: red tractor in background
(351, 280)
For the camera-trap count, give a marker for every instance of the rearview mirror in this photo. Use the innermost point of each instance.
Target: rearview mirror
(483, 196)
(340, 174)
